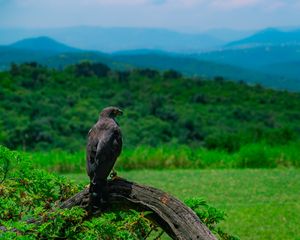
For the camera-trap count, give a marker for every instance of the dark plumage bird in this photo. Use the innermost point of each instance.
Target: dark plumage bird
(103, 148)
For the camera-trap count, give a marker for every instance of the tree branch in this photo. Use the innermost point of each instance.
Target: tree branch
(174, 217)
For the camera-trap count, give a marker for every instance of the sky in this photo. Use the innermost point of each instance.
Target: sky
(181, 15)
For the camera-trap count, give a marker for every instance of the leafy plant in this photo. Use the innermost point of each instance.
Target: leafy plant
(210, 216)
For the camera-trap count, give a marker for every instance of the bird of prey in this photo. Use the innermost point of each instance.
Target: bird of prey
(103, 148)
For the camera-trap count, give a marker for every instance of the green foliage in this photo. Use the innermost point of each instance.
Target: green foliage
(255, 156)
(28, 193)
(172, 74)
(87, 69)
(58, 161)
(259, 155)
(42, 108)
(210, 216)
(228, 142)
(9, 161)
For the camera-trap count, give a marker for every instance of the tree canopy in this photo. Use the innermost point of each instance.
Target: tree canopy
(43, 108)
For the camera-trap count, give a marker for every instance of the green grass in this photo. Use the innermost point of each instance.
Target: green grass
(259, 155)
(260, 204)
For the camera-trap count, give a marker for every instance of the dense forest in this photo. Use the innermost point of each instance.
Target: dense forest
(43, 108)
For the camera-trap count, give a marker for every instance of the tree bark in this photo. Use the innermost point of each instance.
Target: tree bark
(178, 220)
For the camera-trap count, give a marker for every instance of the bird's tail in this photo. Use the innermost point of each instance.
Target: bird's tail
(98, 195)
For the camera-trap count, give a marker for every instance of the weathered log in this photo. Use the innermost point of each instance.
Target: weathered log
(178, 220)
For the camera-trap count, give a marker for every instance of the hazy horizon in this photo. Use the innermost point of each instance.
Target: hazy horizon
(177, 15)
(281, 28)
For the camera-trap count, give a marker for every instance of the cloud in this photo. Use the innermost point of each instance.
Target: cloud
(111, 2)
(233, 4)
(182, 3)
(124, 3)
(276, 5)
(158, 2)
(260, 5)
(174, 14)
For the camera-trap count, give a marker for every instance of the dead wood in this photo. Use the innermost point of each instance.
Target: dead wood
(178, 220)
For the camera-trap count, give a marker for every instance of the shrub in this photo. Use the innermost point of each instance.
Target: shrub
(223, 141)
(87, 69)
(210, 216)
(171, 74)
(255, 156)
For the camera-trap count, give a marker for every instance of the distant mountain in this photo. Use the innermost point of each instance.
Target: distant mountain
(284, 69)
(118, 39)
(270, 36)
(64, 59)
(142, 52)
(55, 54)
(254, 58)
(9, 54)
(45, 44)
(32, 49)
(210, 69)
(123, 39)
(228, 35)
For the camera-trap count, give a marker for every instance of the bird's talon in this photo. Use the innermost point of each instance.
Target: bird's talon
(113, 174)
(117, 178)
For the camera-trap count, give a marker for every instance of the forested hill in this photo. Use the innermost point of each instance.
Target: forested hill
(252, 64)
(42, 108)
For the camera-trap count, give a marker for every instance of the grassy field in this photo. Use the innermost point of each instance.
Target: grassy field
(258, 155)
(260, 204)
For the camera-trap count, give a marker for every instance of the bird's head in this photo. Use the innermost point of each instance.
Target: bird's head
(111, 112)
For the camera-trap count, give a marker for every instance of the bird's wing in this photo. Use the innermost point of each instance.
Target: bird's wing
(105, 146)
(105, 156)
